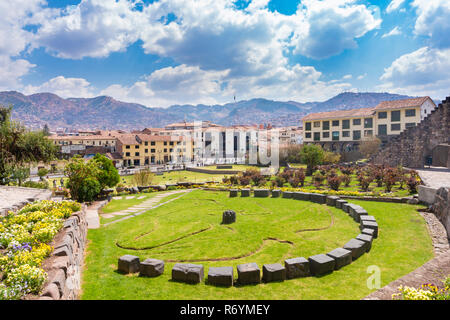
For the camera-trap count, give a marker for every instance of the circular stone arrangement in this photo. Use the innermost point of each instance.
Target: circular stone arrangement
(250, 273)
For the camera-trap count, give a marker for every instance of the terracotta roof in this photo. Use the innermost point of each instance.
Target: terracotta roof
(152, 137)
(114, 156)
(363, 112)
(405, 103)
(92, 137)
(129, 139)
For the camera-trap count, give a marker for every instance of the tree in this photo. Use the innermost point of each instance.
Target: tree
(109, 175)
(290, 154)
(311, 155)
(83, 179)
(331, 157)
(46, 130)
(369, 146)
(20, 174)
(18, 146)
(42, 172)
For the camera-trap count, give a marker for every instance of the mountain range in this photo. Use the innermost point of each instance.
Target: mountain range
(104, 112)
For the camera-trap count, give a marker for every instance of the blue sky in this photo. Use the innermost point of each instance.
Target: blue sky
(165, 52)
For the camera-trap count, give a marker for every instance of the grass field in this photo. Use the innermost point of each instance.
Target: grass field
(266, 231)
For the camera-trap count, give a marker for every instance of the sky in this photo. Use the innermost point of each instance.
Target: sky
(165, 52)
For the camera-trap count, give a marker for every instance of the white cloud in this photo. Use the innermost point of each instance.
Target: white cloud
(64, 87)
(347, 77)
(394, 32)
(360, 77)
(425, 71)
(433, 21)
(191, 85)
(394, 5)
(94, 28)
(11, 71)
(329, 27)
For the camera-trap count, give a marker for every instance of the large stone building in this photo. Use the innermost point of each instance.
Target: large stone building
(343, 130)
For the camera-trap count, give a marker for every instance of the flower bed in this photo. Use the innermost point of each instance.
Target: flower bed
(24, 244)
(425, 292)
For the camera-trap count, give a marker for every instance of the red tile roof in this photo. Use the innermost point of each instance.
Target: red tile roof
(399, 104)
(363, 112)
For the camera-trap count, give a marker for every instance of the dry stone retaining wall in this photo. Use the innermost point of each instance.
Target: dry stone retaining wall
(441, 208)
(64, 266)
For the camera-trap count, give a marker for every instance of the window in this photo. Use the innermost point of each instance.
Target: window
(395, 116)
(345, 134)
(146, 143)
(326, 134)
(345, 124)
(152, 143)
(356, 122)
(165, 150)
(136, 154)
(308, 126)
(171, 143)
(410, 113)
(335, 136)
(368, 122)
(146, 150)
(395, 127)
(382, 130)
(152, 151)
(127, 147)
(317, 124)
(326, 125)
(409, 125)
(356, 135)
(335, 123)
(316, 136)
(382, 115)
(308, 135)
(165, 143)
(368, 133)
(127, 154)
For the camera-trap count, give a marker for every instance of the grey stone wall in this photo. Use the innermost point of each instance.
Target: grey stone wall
(441, 208)
(413, 145)
(64, 266)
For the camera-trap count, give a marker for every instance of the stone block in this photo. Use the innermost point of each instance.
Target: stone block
(318, 198)
(346, 207)
(331, 200)
(221, 276)
(357, 212)
(287, 194)
(274, 272)
(248, 273)
(340, 203)
(297, 268)
(245, 193)
(262, 193)
(51, 290)
(366, 224)
(233, 193)
(128, 264)
(276, 193)
(427, 194)
(357, 247)
(189, 273)
(59, 279)
(368, 218)
(61, 262)
(366, 238)
(321, 264)
(368, 231)
(228, 216)
(342, 257)
(151, 268)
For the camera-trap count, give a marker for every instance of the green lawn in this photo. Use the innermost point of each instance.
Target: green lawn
(178, 176)
(194, 219)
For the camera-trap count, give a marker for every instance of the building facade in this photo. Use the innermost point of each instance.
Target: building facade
(343, 130)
